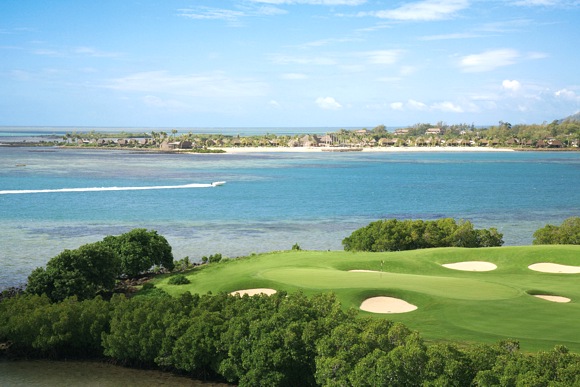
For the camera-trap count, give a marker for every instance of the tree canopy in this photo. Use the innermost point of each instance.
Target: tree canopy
(82, 272)
(398, 235)
(280, 340)
(139, 250)
(568, 233)
(94, 267)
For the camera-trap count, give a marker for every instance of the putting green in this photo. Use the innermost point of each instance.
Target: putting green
(452, 305)
(447, 287)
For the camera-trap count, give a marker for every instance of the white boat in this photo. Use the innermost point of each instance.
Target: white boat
(217, 183)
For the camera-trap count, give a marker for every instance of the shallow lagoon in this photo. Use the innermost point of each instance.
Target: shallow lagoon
(271, 200)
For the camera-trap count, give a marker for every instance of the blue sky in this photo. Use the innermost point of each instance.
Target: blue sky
(287, 63)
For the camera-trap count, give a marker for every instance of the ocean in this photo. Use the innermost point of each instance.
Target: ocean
(53, 199)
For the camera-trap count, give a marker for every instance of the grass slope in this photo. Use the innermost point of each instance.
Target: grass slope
(452, 305)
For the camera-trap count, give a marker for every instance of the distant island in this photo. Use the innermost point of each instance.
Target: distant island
(561, 134)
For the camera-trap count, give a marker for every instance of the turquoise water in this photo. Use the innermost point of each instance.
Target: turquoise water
(270, 201)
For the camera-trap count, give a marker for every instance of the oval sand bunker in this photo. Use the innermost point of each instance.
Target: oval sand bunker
(471, 266)
(553, 298)
(386, 305)
(554, 268)
(253, 292)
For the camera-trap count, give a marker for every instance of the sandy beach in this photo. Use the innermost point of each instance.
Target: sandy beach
(281, 149)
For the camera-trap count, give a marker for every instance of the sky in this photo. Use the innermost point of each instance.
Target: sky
(287, 63)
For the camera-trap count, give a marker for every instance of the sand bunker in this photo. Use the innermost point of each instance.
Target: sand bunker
(471, 266)
(554, 268)
(386, 305)
(253, 292)
(553, 298)
(364, 271)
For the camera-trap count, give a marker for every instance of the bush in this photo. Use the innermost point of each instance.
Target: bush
(215, 258)
(179, 279)
(566, 234)
(148, 286)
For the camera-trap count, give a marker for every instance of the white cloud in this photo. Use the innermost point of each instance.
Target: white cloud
(90, 51)
(426, 10)
(488, 60)
(274, 104)
(416, 105)
(511, 85)
(328, 103)
(464, 35)
(229, 15)
(207, 13)
(409, 105)
(567, 94)
(198, 85)
(531, 3)
(444, 106)
(285, 59)
(447, 106)
(294, 76)
(382, 56)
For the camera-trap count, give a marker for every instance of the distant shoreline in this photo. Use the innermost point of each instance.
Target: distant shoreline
(297, 149)
(240, 150)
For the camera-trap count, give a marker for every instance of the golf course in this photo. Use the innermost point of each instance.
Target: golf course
(491, 294)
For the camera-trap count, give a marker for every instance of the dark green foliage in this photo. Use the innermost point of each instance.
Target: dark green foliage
(512, 368)
(82, 273)
(214, 258)
(138, 328)
(281, 340)
(94, 267)
(178, 279)
(368, 352)
(148, 286)
(139, 250)
(566, 234)
(397, 235)
(34, 325)
(296, 247)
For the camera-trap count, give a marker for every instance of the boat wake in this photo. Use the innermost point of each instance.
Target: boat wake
(99, 189)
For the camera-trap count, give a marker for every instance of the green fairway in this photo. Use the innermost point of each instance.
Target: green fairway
(453, 305)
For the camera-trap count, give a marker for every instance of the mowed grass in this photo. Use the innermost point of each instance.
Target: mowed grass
(455, 306)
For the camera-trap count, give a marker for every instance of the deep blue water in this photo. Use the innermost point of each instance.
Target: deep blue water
(271, 200)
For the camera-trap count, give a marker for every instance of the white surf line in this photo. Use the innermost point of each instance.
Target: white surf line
(98, 189)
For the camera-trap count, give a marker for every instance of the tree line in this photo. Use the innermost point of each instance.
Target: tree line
(566, 132)
(279, 340)
(398, 235)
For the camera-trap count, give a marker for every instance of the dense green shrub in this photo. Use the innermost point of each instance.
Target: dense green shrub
(178, 279)
(214, 258)
(568, 233)
(397, 235)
